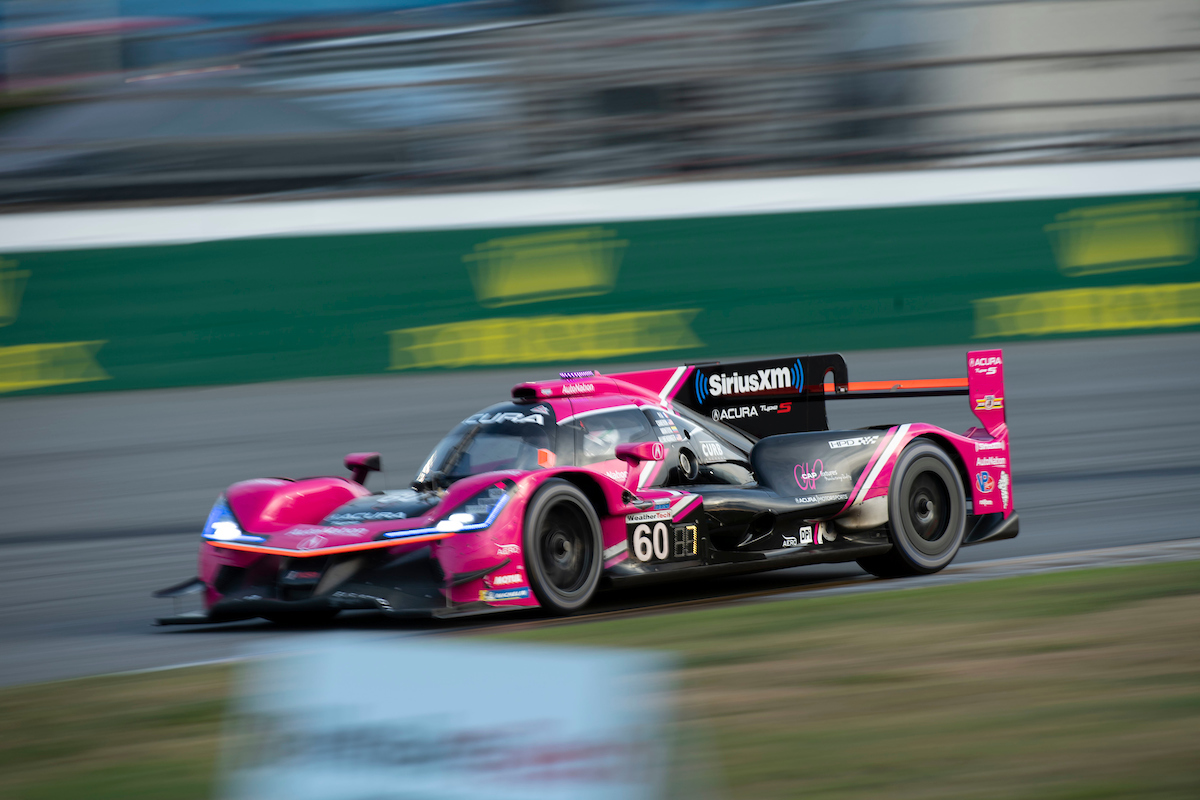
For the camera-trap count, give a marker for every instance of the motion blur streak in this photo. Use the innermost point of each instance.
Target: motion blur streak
(517, 340)
(1118, 308)
(181, 99)
(141, 470)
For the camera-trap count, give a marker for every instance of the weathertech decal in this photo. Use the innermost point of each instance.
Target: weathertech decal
(647, 516)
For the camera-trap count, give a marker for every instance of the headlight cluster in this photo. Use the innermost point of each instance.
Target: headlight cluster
(477, 513)
(222, 526)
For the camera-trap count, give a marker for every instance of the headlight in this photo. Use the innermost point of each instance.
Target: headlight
(477, 513)
(222, 526)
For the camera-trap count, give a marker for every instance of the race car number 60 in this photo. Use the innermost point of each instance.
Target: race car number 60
(645, 548)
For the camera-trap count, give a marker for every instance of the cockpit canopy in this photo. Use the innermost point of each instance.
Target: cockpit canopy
(511, 436)
(503, 436)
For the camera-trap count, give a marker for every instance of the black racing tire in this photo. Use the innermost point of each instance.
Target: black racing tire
(927, 514)
(564, 552)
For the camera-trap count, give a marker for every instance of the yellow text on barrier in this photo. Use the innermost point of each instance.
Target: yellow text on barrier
(12, 286)
(36, 366)
(527, 340)
(538, 267)
(1125, 236)
(1115, 308)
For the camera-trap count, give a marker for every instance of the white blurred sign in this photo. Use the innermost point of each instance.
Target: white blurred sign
(449, 720)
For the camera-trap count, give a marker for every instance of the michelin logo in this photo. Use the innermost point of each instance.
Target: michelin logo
(503, 594)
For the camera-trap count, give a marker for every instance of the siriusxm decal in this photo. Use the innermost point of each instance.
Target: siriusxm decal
(734, 384)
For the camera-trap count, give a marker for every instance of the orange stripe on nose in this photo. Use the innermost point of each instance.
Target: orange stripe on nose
(326, 551)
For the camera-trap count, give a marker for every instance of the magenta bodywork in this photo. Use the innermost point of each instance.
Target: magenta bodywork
(982, 452)
(287, 515)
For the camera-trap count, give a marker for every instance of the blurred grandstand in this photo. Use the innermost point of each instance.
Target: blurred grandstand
(153, 100)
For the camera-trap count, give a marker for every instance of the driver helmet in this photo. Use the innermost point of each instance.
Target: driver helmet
(600, 442)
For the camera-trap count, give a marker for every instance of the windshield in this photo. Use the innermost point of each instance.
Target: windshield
(505, 436)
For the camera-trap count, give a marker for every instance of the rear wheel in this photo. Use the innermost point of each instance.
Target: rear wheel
(926, 512)
(562, 547)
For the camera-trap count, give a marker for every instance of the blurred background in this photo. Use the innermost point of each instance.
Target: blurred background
(154, 100)
(242, 238)
(240, 193)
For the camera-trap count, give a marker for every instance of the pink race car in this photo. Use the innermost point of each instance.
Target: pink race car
(594, 480)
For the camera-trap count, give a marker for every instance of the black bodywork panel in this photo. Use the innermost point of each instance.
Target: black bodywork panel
(768, 397)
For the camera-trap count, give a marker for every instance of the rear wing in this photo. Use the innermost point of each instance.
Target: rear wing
(774, 396)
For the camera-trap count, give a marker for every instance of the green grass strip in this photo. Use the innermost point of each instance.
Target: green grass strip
(1065, 686)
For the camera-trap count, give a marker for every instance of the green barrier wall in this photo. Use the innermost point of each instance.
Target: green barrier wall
(269, 309)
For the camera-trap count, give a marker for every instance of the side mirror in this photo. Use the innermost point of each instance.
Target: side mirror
(634, 454)
(360, 464)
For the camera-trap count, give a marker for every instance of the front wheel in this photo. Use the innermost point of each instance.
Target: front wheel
(562, 547)
(926, 512)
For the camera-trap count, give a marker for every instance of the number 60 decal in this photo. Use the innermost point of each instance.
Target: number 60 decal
(648, 544)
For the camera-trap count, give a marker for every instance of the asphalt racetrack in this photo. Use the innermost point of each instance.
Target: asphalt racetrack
(102, 495)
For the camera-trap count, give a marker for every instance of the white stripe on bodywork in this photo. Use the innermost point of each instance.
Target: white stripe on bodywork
(616, 549)
(649, 470)
(883, 460)
(678, 505)
(594, 411)
(666, 392)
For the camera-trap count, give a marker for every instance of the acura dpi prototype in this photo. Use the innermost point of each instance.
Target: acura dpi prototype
(594, 481)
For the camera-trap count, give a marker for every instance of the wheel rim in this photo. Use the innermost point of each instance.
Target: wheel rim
(929, 507)
(564, 548)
